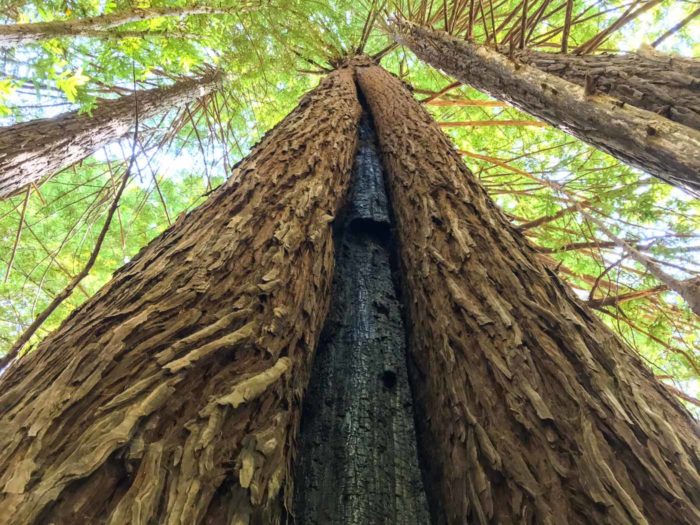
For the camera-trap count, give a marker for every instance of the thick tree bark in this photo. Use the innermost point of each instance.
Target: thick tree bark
(31, 151)
(16, 34)
(357, 461)
(663, 84)
(173, 394)
(531, 410)
(657, 145)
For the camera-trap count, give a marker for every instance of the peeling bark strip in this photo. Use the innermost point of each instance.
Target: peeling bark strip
(533, 411)
(31, 151)
(16, 34)
(663, 84)
(659, 146)
(172, 395)
(358, 461)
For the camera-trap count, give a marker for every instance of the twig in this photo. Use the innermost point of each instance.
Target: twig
(676, 28)
(19, 233)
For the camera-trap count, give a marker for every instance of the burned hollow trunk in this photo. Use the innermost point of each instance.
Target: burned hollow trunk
(663, 84)
(172, 395)
(659, 146)
(31, 151)
(530, 409)
(357, 459)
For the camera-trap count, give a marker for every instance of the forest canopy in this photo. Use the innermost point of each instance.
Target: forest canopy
(580, 208)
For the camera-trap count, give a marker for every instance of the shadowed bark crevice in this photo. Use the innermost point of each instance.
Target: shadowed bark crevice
(357, 458)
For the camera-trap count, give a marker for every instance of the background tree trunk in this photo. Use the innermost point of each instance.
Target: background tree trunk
(31, 151)
(531, 410)
(16, 34)
(172, 395)
(659, 146)
(663, 84)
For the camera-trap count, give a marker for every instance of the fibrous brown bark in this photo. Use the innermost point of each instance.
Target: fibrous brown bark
(31, 151)
(16, 34)
(172, 395)
(663, 84)
(532, 411)
(641, 138)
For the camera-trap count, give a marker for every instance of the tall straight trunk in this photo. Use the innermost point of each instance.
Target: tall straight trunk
(531, 410)
(31, 151)
(172, 395)
(663, 84)
(16, 34)
(661, 147)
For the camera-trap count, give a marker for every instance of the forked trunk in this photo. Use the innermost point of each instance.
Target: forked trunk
(173, 394)
(531, 410)
(31, 151)
(659, 146)
(664, 84)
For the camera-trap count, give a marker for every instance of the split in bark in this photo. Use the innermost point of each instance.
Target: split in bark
(657, 145)
(173, 394)
(530, 409)
(16, 34)
(358, 460)
(31, 151)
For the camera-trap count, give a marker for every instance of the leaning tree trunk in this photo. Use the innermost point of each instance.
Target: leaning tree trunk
(173, 394)
(531, 410)
(663, 148)
(31, 151)
(16, 34)
(663, 84)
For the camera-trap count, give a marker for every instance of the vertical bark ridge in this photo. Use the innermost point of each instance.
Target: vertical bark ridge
(31, 151)
(532, 411)
(172, 395)
(659, 146)
(358, 460)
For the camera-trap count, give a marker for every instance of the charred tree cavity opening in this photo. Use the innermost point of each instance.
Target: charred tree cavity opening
(357, 459)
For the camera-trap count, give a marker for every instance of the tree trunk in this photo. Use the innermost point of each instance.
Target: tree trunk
(17, 34)
(357, 462)
(173, 394)
(31, 151)
(663, 84)
(530, 409)
(657, 145)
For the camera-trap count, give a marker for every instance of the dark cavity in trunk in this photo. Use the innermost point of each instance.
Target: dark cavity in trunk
(357, 458)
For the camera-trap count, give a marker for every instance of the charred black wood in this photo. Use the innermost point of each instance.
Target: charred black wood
(357, 459)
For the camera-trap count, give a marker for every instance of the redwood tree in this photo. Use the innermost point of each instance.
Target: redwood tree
(532, 410)
(664, 148)
(31, 151)
(662, 84)
(172, 395)
(18, 34)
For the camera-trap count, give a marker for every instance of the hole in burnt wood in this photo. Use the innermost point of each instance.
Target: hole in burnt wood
(388, 378)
